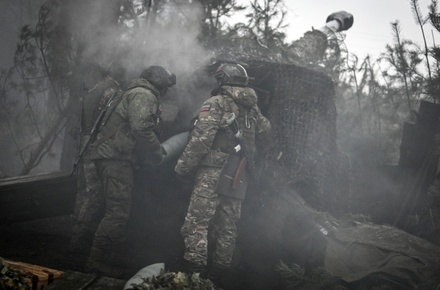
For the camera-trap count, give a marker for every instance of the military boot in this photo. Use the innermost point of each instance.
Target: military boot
(98, 263)
(80, 242)
(220, 275)
(191, 267)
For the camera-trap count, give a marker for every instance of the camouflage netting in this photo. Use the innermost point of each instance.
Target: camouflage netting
(303, 149)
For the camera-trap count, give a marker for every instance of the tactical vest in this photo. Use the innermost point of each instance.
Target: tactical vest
(225, 141)
(115, 140)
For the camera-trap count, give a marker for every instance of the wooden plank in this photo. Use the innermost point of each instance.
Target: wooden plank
(32, 197)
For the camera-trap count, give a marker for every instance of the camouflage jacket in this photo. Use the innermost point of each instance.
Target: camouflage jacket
(96, 99)
(128, 128)
(212, 138)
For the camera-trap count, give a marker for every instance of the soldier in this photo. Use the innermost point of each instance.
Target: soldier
(225, 129)
(89, 201)
(127, 139)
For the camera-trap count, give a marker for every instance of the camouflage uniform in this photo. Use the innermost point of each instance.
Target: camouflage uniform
(126, 137)
(89, 201)
(211, 143)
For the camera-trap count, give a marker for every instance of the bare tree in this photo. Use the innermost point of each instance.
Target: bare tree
(41, 91)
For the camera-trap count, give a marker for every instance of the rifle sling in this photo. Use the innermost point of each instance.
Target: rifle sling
(105, 118)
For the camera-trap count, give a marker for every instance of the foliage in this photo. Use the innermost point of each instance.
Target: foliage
(214, 22)
(12, 279)
(266, 22)
(403, 58)
(377, 98)
(172, 280)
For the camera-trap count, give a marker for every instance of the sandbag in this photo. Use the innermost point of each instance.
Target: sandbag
(146, 272)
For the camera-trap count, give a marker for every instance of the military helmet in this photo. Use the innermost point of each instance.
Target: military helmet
(232, 74)
(159, 76)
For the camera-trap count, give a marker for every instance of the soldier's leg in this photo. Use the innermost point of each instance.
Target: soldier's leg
(226, 230)
(117, 181)
(201, 210)
(225, 233)
(81, 190)
(90, 211)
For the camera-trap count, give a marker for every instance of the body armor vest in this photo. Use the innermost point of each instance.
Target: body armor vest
(225, 140)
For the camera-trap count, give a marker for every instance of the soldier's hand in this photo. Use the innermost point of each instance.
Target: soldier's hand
(156, 157)
(344, 18)
(183, 175)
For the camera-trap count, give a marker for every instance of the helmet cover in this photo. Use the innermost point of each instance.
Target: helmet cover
(159, 76)
(232, 74)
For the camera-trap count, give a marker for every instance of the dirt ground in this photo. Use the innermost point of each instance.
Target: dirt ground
(158, 211)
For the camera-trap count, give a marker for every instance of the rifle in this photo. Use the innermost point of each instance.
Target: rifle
(241, 176)
(241, 149)
(91, 137)
(233, 178)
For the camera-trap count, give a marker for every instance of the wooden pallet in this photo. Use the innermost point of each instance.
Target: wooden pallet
(35, 276)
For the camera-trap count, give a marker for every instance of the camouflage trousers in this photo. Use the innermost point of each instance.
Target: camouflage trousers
(206, 209)
(88, 207)
(88, 183)
(88, 199)
(116, 189)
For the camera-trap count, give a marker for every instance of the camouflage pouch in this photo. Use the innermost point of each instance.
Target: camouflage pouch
(233, 178)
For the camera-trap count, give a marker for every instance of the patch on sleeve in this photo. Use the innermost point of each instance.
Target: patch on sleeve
(205, 108)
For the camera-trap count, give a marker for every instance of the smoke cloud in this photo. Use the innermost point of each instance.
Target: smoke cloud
(165, 34)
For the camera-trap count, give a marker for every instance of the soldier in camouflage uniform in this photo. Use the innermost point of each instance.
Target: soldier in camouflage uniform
(127, 139)
(89, 201)
(211, 144)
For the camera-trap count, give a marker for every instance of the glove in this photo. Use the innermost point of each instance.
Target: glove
(345, 19)
(156, 157)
